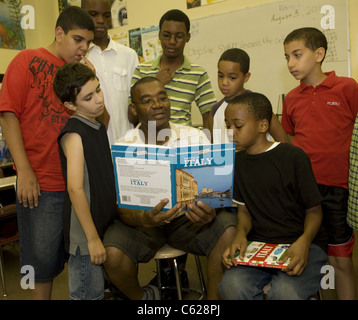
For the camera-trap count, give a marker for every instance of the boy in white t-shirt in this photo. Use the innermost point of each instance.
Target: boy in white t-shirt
(233, 73)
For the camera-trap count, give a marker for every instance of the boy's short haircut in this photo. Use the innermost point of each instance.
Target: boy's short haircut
(257, 104)
(175, 15)
(142, 81)
(74, 17)
(312, 38)
(238, 56)
(84, 3)
(70, 79)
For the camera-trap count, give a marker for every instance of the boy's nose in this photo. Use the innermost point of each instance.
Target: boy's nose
(290, 63)
(224, 81)
(230, 134)
(99, 98)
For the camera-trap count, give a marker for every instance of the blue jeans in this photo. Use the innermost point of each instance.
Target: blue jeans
(41, 235)
(86, 280)
(247, 283)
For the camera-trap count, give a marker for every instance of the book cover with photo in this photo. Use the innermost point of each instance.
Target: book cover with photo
(146, 174)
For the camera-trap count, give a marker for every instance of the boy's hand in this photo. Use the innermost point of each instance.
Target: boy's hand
(239, 243)
(88, 64)
(164, 75)
(97, 251)
(28, 189)
(298, 253)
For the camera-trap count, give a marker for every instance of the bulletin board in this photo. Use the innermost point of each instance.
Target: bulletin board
(260, 31)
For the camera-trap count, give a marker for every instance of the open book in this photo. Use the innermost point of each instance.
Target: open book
(146, 174)
(261, 254)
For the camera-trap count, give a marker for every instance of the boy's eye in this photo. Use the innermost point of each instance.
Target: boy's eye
(178, 37)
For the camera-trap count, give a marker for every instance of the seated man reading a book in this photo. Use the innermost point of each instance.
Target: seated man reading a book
(137, 235)
(278, 202)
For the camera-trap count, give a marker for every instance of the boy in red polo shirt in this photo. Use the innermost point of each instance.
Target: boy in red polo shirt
(320, 115)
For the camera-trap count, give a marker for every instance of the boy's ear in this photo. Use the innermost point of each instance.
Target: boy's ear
(59, 32)
(264, 126)
(247, 77)
(188, 36)
(320, 53)
(70, 106)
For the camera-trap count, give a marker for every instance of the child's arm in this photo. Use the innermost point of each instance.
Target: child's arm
(276, 130)
(299, 250)
(104, 117)
(164, 75)
(244, 225)
(73, 149)
(206, 120)
(28, 188)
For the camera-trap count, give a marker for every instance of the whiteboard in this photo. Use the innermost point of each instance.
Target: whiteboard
(260, 31)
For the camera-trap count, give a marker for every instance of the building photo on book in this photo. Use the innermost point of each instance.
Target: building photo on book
(147, 174)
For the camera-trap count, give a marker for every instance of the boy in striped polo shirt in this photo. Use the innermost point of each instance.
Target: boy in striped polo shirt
(184, 81)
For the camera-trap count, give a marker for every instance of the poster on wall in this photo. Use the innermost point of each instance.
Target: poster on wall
(198, 3)
(121, 37)
(151, 43)
(62, 4)
(144, 41)
(119, 13)
(11, 34)
(135, 42)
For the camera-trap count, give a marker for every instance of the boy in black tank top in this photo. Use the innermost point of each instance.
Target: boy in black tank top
(90, 202)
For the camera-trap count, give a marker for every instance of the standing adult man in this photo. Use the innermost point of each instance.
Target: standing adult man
(114, 64)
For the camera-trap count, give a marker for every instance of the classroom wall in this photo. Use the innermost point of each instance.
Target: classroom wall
(46, 13)
(146, 13)
(353, 31)
(138, 17)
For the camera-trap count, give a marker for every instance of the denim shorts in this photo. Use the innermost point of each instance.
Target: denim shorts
(86, 280)
(41, 236)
